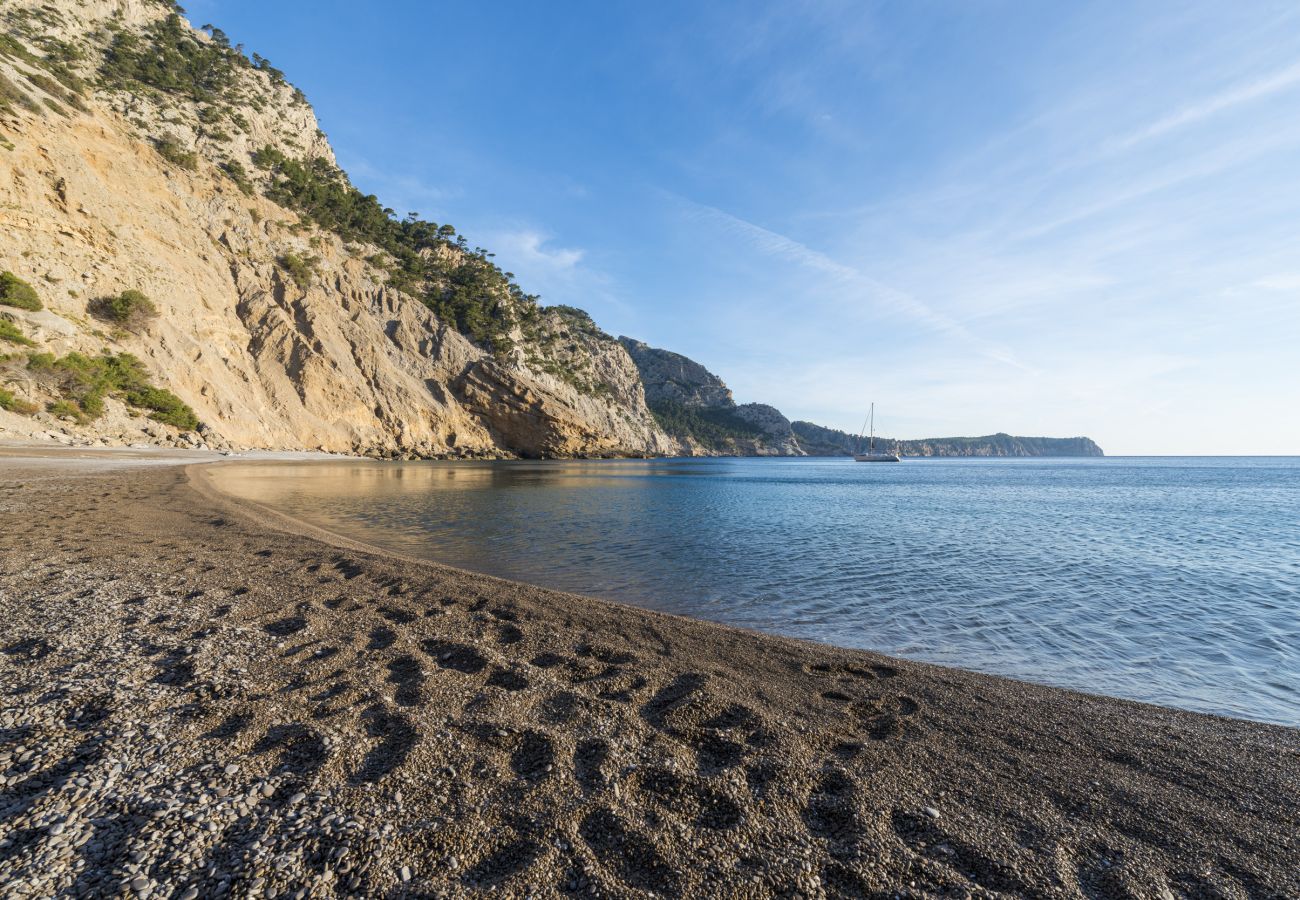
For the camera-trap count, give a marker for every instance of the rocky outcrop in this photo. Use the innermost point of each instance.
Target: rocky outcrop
(672, 378)
(778, 438)
(1001, 445)
(698, 409)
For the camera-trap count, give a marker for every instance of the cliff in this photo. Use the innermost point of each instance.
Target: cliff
(121, 171)
(184, 264)
(819, 441)
(697, 408)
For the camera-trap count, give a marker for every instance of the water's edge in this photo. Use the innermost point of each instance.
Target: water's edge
(373, 533)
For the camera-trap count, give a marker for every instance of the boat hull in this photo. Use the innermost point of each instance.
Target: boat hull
(875, 457)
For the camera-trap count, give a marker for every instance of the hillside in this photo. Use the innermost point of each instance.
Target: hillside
(696, 408)
(819, 441)
(185, 264)
(141, 157)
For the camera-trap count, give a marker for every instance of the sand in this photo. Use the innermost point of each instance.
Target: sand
(201, 699)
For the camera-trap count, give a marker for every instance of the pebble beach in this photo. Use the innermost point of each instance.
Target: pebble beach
(201, 698)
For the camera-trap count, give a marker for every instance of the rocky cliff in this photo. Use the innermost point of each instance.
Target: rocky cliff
(121, 171)
(183, 263)
(672, 378)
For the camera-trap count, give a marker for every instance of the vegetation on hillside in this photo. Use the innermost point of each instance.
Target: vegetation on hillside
(557, 341)
(169, 58)
(82, 382)
(461, 285)
(10, 403)
(302, 269)
(171, 150)
(716, 428)
(57, 58)
(430, 261)
(10, 94)
(16, 292)
(130, 309)
(11, 333)
(817, 440)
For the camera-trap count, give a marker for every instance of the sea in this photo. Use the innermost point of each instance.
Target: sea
(1173, 581)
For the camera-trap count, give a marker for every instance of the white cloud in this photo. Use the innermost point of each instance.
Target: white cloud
(526, 250)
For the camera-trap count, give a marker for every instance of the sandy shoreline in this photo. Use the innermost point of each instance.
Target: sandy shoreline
(203, 699)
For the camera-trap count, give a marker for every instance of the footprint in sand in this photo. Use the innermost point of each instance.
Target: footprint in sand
(455, 656)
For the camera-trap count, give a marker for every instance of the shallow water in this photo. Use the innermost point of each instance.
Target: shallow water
(1169, 580)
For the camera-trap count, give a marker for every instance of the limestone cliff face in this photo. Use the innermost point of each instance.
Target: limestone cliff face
(671, 377)
(330, 359)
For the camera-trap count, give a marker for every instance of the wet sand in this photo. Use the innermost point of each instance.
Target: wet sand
(202, 698)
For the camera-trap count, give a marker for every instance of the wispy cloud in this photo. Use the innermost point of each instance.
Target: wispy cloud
(855, 285)
(1222, 101)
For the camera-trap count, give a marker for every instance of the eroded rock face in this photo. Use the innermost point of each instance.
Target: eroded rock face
(674, 378)
(340, 362)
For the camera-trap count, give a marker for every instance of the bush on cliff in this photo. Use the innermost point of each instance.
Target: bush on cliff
(10, 403)
(16, 292)
(11, 333)
(171, 150)
(165, 407)
(83, 382)
(130, 309)
(302, 269)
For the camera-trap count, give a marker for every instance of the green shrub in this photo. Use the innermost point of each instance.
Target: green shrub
(10, 94)
(130, 309)
(166, 407)
(238, 175)
(13, 404)
(83, 382)
(10, 332)
(55, 89)
(65, 408)
(170, 150)
(16, 292)
(300, 269)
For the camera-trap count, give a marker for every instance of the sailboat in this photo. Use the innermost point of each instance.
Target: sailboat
(872, 454)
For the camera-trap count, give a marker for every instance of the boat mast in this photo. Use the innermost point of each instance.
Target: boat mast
(871, 444)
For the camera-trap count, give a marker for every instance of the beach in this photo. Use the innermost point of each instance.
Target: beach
(205, 698)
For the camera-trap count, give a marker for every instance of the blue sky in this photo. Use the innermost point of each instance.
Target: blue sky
(985, 216)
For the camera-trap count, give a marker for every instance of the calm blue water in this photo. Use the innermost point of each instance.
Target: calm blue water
(1174, 581)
